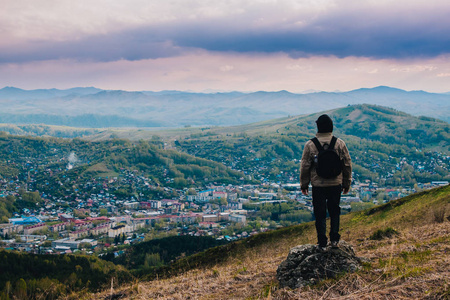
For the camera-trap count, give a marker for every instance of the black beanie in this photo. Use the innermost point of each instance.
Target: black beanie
(324, 124)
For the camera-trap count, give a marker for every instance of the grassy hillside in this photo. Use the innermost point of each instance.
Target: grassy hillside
(47, 130)
(411, 263)
(365, 121)
(387, 146)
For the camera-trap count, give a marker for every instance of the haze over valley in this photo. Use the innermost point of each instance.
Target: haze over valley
(91, 107)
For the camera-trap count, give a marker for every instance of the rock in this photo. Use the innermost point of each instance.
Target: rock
(306, 264)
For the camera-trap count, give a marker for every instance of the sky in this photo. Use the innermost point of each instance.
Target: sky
(225, 45)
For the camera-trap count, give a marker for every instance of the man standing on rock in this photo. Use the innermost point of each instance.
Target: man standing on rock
(326, 163)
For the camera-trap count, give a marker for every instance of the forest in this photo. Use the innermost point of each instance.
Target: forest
(43, 276)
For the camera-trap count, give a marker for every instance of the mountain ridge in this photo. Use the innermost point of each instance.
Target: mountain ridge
(178, 109)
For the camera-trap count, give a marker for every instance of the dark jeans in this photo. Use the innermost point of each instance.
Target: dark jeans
(323, 198)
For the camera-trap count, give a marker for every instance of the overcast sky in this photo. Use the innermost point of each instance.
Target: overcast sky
(215, 45)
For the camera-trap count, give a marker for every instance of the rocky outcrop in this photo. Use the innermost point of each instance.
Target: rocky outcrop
(307, 264)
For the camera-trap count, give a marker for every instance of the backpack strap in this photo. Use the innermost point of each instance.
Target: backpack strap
(317, 143)
(332, 143)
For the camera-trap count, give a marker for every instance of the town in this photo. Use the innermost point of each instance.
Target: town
(75, 196)
(101, 221)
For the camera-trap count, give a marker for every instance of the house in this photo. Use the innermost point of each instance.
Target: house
(66, 218)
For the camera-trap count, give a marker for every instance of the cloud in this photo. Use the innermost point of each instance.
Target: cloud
(200, 72)
(378, 29)
(226, 68)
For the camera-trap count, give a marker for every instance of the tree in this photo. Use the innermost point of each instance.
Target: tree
(20, 291)
(152, 260)
(72, 280)
(191, 191)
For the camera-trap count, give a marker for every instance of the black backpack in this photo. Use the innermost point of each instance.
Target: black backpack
(328, 162)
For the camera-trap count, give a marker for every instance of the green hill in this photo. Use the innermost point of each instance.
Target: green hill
(387, 146)
(73, 169)
(407, 242)
(366, 121)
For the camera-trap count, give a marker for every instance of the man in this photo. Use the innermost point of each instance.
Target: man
(326, 192)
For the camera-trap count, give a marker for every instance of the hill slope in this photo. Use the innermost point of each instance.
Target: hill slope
(413, 264)
(74, 169)
(387, 146)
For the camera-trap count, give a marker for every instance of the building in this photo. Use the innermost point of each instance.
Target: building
(70, 243)
(66, 217)
(8, 229)
(58, 227)
(238, 218)
(79, 233)
(209, 225)
(131, 205)
(101, 229)
(219, 195)
(267, 196)
(33, 228)
(439, 183)
(204, 196)
(25, 221)
(232, 196)
(350, 199)
(210, 218)
(153, 204)
(234, 205)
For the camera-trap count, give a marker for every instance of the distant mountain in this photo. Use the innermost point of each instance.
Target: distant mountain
(176, 109)
(13, 93)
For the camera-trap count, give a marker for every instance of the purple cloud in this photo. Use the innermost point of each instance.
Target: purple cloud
(395, 34)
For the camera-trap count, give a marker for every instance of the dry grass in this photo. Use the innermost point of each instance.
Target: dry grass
(415, 264)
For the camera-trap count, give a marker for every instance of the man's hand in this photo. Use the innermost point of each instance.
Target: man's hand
(345, 190)
(305, 192)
